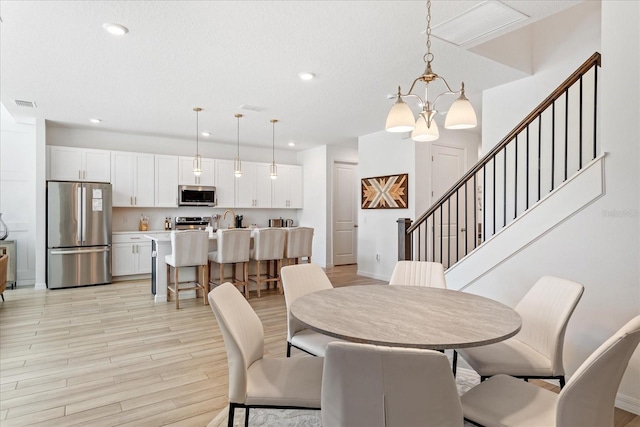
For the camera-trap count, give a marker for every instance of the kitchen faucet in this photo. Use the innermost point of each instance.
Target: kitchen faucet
(224, 216)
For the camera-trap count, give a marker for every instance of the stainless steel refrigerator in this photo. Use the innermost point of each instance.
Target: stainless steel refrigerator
(78, 234)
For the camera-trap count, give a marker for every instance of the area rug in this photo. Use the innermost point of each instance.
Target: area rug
(258, 417)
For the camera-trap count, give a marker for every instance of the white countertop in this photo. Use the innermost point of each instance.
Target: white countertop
(140, 232)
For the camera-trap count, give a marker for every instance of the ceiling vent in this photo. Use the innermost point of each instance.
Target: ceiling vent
(25, 104)
(477, 22)
(252, 108)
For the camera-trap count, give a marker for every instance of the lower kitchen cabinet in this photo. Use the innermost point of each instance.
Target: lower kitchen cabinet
(130, 254)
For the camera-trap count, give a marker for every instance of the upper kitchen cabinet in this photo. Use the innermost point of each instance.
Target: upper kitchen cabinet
(225, 183)
(253, 188)
(188, 178)
(132, 179)
(287, 188)
(79, 164)
(166, 180)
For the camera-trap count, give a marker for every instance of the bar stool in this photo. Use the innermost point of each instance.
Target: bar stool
(233, 248)
(268, 245)
(299, 245)
(188, 249)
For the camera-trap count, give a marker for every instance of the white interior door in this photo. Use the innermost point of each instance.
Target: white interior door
(345, 213)
(448, 165)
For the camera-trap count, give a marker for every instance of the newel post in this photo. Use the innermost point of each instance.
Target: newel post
(405, 247)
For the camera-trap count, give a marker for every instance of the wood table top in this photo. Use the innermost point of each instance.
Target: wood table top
(407, 316)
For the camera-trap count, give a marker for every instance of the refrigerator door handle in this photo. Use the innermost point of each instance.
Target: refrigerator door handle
(84, 213)
(79, 251)
(79, 214)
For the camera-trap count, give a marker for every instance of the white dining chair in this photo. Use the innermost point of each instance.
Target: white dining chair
(419, 273)
(233, 247)
(188, 249)
(536, 351)
(299, 280)
(588, 399)
(281, 382)
(372, 386)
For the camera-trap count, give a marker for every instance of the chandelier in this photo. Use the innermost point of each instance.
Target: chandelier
(197, 160)
(460, 115)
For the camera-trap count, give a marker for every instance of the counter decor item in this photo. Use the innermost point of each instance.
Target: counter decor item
(144, 223)
(386, 192)
(4, 230)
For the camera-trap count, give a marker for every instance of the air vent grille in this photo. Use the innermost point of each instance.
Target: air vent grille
(25, 104)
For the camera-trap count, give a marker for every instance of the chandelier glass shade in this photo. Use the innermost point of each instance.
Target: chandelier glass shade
(273, 169)
(237, 164)
(401, 119)
(197, 160)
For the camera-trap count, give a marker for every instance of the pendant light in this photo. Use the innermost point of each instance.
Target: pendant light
(273, 169)
(237, 165)
(197, 160)
(459, 116)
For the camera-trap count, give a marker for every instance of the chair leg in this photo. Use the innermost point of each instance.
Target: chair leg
(561, 379)
(2, 295)
(279, 281)
(246, 417)
(175, 275)
(205, 284)
(232, 410)
(288, 349)
(221, 274)
(455, 363)
(168, 282)
(246, 278)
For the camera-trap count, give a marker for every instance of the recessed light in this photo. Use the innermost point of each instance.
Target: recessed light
(306, 75)
(292, 144)
(95, 120)
(115, 29)
(206, 134)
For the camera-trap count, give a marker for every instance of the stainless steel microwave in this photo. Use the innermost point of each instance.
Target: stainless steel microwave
(196, 195)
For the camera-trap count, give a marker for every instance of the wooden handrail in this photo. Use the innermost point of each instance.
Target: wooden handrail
(595, 59)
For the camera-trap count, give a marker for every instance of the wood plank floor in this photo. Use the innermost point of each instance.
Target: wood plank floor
(110, 356)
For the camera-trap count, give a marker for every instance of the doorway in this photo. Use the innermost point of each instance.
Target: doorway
(345, 213)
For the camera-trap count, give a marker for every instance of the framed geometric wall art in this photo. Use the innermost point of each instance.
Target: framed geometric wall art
(385, 192)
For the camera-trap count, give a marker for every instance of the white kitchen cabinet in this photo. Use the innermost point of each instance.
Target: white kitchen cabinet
(132, 179)
(187, 177)
(166, 181)
(79, 164)
(253, 189)
(130, 254)
(287, 188)
(225, 183)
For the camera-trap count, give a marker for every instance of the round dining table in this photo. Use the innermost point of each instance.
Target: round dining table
(407, 316)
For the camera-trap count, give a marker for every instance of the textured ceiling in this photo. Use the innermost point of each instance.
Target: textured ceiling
(221, 54)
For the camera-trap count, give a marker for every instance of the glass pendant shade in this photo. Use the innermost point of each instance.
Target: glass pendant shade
(400, 118)
(423, 132)
(273, 171)
(197, 165)
(237, 167)
(461, 115)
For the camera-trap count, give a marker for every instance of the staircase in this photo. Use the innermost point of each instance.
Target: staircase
(524, 173)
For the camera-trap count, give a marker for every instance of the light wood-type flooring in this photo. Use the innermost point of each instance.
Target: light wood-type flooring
(109, 356)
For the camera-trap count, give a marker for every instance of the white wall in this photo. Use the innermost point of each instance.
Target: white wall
(598, 247)
(316, 196)
(383, 153)
(18, 191)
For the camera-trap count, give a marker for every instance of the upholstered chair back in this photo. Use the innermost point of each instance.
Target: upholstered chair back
(299, 280)
(233, 246)
(189, 248)
(545, 312)
(299, 242)
(418, 273)
(268, 243)
(588, 399)
(365, 385)
(243, 336)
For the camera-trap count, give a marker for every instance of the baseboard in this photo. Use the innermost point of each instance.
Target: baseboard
(372, 275)
(40, 286)
(628, 404)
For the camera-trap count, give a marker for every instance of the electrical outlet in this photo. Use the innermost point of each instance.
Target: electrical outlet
(378, 257)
